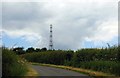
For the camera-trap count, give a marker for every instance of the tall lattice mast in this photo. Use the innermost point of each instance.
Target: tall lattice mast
(51, 40)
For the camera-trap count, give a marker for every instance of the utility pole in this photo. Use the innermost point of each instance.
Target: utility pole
(51, 40)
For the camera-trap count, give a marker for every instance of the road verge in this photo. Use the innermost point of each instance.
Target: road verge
(92, 73)
(31, 71)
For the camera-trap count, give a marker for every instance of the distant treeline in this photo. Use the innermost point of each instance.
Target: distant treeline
(20, 50)
(105, 60)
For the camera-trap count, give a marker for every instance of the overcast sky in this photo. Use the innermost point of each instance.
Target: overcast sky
(76, 24)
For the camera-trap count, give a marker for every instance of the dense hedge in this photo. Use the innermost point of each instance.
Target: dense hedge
(12, 65)
(110, 54)
(50, 57)
(104, 66)
(105, 60)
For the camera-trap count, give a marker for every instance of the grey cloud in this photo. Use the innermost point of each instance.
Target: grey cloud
(72, 23)
(22, 14)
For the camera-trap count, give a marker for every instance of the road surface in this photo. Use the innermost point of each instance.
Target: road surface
(51, 71)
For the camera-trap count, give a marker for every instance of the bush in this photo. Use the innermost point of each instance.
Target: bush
(104, 66)
(105, 60)
(50, 57)
(12, 65)
(107, 54)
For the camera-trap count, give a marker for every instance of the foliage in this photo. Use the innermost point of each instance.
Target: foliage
(107, 54)
(38, 50)
(12, 65)
(104, 66)
(44, 49)
(19, 50)
(31, 49)
(105, 59)
(118, 56)
(49, 57)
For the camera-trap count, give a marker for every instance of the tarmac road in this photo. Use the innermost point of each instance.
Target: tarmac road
(51, 71)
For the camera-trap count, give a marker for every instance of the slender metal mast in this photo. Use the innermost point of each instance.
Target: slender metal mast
(51, 40)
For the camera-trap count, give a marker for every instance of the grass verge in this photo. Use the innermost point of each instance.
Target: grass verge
(91, 73)
(31, 72)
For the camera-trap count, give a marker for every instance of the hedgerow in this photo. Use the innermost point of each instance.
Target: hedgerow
(12, 65)
(105, 59)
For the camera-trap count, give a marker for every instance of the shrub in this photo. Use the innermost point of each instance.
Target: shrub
(50, 57)
(12, 65)
(105, 59)
(104, 66)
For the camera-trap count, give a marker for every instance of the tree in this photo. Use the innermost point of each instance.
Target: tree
(19, 50)
(38, 50)
(44, 49)
(31, 49)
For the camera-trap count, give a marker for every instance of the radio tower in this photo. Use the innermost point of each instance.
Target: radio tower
(51, 42)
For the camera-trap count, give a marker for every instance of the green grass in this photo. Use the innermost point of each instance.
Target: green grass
(31, 72)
